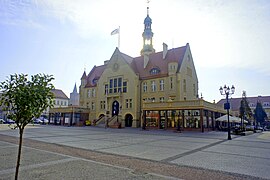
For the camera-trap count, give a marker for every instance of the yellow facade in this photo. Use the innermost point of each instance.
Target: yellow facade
(125, 89)
(180, 83)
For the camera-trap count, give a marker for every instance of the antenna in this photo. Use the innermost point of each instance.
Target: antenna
(148, 1)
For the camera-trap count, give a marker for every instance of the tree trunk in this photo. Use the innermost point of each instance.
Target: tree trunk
(19, 153)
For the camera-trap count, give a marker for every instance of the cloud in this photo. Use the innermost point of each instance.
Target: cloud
(221, 33)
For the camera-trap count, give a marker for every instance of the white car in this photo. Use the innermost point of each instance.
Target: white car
(46, 121)
(10, 121)
(37, 121)
(2, 121)
(41, 120)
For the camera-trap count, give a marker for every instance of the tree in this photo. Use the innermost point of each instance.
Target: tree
(259, 114)
(25, 100)
(244, 110)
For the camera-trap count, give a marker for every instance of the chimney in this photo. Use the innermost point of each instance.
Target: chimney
(165, 50)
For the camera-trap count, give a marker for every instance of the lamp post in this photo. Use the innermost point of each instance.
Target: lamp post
(227, 91)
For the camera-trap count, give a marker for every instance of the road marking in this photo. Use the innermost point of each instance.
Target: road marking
(172, 158)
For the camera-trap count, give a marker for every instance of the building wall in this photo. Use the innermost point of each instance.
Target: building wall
(188, 78)
(174, 88)
(58, 102)
(119, 68)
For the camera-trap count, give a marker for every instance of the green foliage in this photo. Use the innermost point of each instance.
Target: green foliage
(244, 110)
(25, 99)
(259, 113)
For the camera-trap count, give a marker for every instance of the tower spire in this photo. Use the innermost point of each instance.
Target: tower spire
(148, 1)
(147, 34)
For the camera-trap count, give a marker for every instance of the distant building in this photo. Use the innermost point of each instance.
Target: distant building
(68, 113)
(236, 103)
(60, 100)
(74, 97)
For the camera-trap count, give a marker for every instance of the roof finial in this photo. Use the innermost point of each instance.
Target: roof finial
(148, 1)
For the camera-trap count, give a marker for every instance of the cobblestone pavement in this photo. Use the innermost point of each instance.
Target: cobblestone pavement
(54, 152)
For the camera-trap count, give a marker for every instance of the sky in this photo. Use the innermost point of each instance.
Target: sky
(229, 39)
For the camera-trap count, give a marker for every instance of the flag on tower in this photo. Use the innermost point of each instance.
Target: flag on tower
(116, 31)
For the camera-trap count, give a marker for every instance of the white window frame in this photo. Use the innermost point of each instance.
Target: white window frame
(153, 86)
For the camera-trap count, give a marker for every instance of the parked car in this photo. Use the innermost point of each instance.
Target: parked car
(259, 128)
(250, 128)
(45, 121)
(37, 121)
(10, 121)
(41, 120)
(2, 121)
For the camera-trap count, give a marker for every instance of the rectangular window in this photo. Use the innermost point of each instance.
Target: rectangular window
(115, 85)
(125, 87)
(130, 103)
(194, 90)
(161, 85)
(119, 84)
(145, 87)
(110, 86)
(126, 103)
(94, 93)
(161, 99)
(101, 104)
(153, 85)
(88, 93)
(171, 81)
(185, 86)
(93, 106)
(106, 89)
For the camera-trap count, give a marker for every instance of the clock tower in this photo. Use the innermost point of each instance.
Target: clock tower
(147, 36)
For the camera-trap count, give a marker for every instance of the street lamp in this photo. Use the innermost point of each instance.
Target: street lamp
(227, 91)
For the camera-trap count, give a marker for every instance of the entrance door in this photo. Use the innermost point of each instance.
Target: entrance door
(115, 108)
(128, 120)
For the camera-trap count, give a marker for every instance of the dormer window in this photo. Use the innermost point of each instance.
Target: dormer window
(266, 104)
(154, 71)
(94, 81)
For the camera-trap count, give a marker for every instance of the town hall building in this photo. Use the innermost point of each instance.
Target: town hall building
(154, 90)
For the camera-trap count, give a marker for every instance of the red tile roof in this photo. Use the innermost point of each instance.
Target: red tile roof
(156, 60)
(95, 73)
(59, 94)
(137, 64)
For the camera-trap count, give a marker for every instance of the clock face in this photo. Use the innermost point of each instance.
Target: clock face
(115, 66)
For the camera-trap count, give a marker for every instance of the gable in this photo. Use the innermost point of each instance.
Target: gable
(188, 67)
(120, 63)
